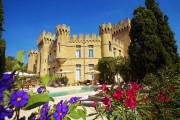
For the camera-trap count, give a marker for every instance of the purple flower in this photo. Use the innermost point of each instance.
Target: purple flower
(74, 100)
(5, 113)
(44, 112)
(19, 98)
(1, 97)
(61, 110)
(6, 81)
(40, 90)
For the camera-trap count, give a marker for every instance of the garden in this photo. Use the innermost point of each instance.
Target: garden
(149, 90)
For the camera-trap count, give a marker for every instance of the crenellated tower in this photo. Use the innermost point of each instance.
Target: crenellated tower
(105, 31)
(121, 34)
(62, 39)
(32, 61)
(44, 42)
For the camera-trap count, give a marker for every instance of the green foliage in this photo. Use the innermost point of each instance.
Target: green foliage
(1, 18)
(45, 80)
(146, 51)
(37, 100)
(2, 55)
(107, 68)
(167, 81)
(20, 56)
(76, 112)
(124, 69)
(164, 31)
(10, 62)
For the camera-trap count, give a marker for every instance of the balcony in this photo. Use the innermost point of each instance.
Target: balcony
(60, 60)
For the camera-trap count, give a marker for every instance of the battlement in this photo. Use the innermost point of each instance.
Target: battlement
(85, 37)
(122, 26)
(105, 28)
(47, 36)
(32, 52)
(63, 29)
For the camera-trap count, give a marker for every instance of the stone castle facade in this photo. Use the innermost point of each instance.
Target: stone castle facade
(77, 56)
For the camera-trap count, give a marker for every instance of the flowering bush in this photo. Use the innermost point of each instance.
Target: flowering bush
(13, 100)
(123, 101)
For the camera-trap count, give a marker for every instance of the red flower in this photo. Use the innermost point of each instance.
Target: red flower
(104, 87)
(135, 86)
(118, 94)
(107, 101)
(130, 93)
(130, 103)
(163, 97)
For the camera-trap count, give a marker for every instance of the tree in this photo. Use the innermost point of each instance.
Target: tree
(2, 42)
(107, 68)
(146, 52)
(164, 31)
(10, 62)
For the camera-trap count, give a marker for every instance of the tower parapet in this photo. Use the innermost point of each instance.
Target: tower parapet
(32, 52)
(85, 37)
(105, 28)
(63, 29)
(46, 37)
(124, 26)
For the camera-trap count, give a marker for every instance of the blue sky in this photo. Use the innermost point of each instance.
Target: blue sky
(26, 19)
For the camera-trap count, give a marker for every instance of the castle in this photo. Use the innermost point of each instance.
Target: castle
(77, 56)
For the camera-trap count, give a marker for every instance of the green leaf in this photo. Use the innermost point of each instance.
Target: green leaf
(136, 116)
(45, 80)
(123, 115)
(20, 56)
(66, 118)
(37, 100)
(72, 107)
(82, 113)
(74, 115)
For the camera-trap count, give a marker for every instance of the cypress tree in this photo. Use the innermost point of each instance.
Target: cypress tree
(164, 31)
(146, 51)
(2, 42)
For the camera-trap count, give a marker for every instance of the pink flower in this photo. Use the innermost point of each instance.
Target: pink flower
(107, 101)
(135, 86)
(104, 87)
(118, 94)
(130, 103)
(130, 93)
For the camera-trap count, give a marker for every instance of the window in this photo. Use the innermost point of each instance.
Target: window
(119, 52)
(59, 46)
(110, 46)
(78, 72)
(78, 51)
(91, 73)
(90, 51)
(114, 52)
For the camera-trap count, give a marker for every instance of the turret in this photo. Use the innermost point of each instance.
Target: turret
(62, 38)
(32, 61)
(105, 31)
(44, 42)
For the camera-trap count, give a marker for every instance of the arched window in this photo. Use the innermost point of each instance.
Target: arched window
(110, 46)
